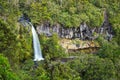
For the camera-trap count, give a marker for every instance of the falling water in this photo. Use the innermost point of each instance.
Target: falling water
(36, 45)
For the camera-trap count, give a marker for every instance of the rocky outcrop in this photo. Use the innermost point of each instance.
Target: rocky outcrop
(83, 31)
(106, 27)
(77, 44)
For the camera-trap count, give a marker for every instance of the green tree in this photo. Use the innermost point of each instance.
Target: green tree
(63, 72)
(5, 70)
(51, 47)
(92, 67)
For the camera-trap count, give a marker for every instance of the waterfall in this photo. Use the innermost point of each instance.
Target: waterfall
(36, 45)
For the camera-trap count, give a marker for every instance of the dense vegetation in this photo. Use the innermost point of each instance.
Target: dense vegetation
(16, 51)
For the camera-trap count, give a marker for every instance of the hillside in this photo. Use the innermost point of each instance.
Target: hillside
(61, 61)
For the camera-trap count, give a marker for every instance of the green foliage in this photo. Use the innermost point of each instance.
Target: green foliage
(5, 70)
(51, 47)
(108, 49)
(6, 37)
(92, 67)
(117, 67)
(67, 73)
(19, 48)
(111, 50)
(16, 41)
(41, 74)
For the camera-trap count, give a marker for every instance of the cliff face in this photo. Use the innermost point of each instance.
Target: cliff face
(77, 44)
(82, 32)
(81, 37)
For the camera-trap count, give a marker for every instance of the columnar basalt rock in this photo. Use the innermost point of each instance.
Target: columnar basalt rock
(83, 32)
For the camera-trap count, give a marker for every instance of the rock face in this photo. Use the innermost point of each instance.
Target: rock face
(106, 27)
(83, 32)
(77, 44)
(81, 37)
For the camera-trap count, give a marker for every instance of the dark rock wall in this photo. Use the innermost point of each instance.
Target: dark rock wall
(82, 32)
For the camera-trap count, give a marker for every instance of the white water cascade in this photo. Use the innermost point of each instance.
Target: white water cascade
(25, 21)
(36, 45)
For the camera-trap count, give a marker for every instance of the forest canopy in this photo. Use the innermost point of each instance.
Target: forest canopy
(16, 51)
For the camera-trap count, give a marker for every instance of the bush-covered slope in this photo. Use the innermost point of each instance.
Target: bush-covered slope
(16, 41)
